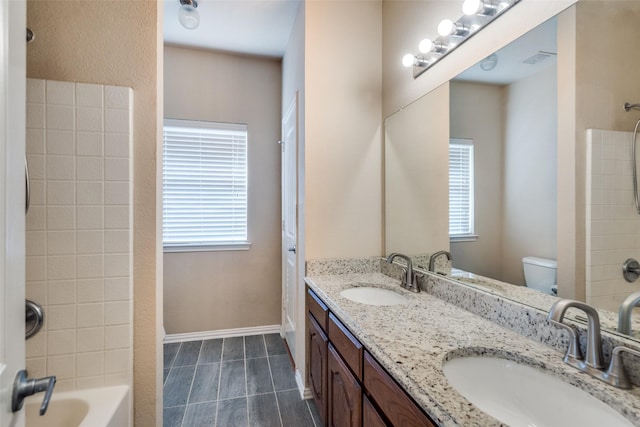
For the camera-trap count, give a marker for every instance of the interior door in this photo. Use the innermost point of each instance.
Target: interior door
(12, 203)
(289, 222)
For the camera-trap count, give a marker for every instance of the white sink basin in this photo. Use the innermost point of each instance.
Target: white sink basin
(519, 395)
(373, 296)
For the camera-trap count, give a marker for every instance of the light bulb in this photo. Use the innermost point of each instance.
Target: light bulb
(471, 7)
(446, 28)
(408, 60)
(426, 46)
(188, 15)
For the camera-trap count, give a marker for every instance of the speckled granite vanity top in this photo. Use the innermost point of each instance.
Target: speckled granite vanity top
(413, 340)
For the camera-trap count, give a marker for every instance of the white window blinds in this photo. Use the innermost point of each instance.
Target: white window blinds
(204, 184)
(461, 187)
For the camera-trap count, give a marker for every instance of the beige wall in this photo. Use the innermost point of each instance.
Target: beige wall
(485, 127)
(96, 42)
(416, 163)
(343, 150)
(530, 170)
(205, 291)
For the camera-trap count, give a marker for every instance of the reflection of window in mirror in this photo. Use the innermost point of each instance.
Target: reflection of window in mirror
(461, 217)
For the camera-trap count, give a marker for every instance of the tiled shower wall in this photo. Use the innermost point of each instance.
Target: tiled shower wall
(78, 238)
(613, 225)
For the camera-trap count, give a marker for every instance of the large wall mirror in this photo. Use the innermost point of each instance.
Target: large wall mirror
(506, 109)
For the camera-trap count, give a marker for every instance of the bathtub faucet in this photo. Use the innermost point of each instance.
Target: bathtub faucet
(25, 387)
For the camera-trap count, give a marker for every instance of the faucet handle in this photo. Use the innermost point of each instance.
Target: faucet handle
(573, 351)
(616, 374)
(24, 387)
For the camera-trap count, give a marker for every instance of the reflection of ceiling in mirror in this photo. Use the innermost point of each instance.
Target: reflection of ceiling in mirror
(524, 57)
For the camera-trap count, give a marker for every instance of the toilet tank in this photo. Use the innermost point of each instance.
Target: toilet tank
(540, 273)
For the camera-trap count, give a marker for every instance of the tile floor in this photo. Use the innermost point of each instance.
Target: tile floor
(242, 381)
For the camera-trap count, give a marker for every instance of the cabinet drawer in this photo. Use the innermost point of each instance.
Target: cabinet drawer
(370, 416)
(318, 309)
(396, 405)
(347, 345)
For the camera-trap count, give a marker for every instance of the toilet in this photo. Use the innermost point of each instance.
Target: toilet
(540, 274)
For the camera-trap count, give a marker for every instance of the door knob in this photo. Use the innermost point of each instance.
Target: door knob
(292, 249)
(25, 387)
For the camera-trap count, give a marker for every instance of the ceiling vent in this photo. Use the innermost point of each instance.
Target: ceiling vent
(538, 57)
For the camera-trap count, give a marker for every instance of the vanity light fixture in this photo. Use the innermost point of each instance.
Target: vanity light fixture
(476, 15)
(188, 14)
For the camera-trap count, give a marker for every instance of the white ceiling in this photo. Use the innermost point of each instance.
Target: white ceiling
(254, 27)
(510, 65)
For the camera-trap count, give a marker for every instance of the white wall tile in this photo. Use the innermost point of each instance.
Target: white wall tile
(117, 145)
(90, 266)
(90, 193)
(117, 313)
(116, 193)
(61, 217)
(90, 339)
(37, 168)
(116, 265)
(36, 268)
(89, 143)
(89, 168)
(35, 116)
(62, 292)
(117, 288)
(37, 194)
(61, 168)
(61, 317)
(61, 267)
(60, 117)
(90, 217)
(90, 364)
(63, 367)
(35, 141)
(117, 337)
(36, 346)
(36, 291)
(36, 91)
(60, 93)
(116, 97)
(116, 121)
(116, 217)
(90, 241)
(116, 361)
(36, 366)
(60, 142)
(61, 342)
(89, 119)
(90, 315)
(61, 192)
(35, 243)
(91, 382)
(89, 95)
(116, 241)
(116, 169)
(90, 290)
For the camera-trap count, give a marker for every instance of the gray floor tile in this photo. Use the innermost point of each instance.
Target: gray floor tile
(233, 349)
(275, 344)
(170, 351)
(211, 351)
(293, 409)
(232, 380)
(188, 353)
(176, 389)
(172, 417)
(314, 413)
(254, 346)
(258, 376)
(263, 411)
(205, 383)
(200, 415)
(232, 413)
(282, 372)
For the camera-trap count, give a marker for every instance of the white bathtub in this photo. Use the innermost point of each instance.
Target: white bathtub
(95, 407)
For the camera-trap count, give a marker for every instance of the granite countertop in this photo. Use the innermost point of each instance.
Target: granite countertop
(413, 340)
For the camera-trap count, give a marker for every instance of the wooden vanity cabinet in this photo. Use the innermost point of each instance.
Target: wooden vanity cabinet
(349, 386)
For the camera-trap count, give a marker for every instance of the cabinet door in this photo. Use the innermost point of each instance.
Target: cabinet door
(317, 365)
(345, 394)
(370, 416)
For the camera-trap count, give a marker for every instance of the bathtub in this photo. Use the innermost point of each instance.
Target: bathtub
(95, 407)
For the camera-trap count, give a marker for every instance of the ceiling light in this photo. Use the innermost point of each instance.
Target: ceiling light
(489, 63)
(188, 14)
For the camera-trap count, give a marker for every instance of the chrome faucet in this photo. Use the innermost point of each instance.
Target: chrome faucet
(624, 313)
(432, 259)
(23, 386)
(592, 362)
(407, 281)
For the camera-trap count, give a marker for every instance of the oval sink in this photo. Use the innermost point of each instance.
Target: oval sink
(373, 296)
(519, 395)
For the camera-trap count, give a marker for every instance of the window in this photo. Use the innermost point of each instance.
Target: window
(204, 186)
(461, 190)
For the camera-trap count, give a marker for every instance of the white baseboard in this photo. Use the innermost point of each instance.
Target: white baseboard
(222, 333)
(305, 393)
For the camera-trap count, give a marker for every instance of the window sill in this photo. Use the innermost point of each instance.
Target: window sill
(463, 238)
(209, 248)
